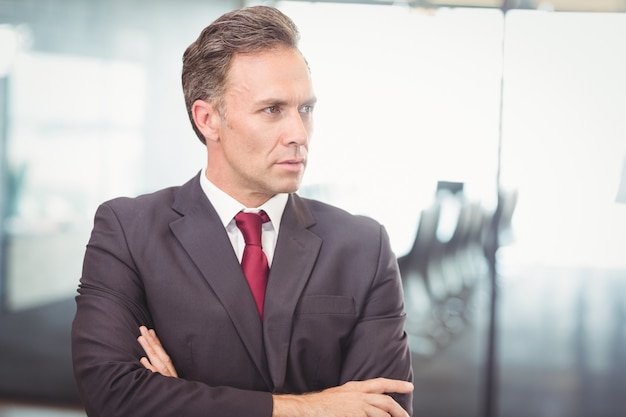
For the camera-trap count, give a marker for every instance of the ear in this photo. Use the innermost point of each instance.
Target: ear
(207, 119)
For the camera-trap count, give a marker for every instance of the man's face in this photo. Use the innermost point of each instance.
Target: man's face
(264, 132)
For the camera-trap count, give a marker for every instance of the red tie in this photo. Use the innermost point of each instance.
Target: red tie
(254, 263)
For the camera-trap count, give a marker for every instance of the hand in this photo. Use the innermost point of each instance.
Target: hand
(157, 359)
(353, 399)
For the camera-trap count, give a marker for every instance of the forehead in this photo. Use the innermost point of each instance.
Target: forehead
(280, 72)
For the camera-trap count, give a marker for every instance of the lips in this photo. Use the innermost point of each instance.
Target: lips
(292, 164)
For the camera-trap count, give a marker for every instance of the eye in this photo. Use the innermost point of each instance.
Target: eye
(272, 109)
(307, 108)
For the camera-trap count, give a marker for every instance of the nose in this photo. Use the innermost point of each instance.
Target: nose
(298, 129)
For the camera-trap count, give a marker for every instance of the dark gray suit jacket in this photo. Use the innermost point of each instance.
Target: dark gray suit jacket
(333, 309)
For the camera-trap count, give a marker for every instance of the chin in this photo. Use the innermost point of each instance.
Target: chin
(289, 185)
(290, 188)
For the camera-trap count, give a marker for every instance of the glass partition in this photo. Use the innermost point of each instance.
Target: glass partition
(564, 136)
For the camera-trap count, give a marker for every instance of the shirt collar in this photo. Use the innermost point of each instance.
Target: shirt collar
(227, 207)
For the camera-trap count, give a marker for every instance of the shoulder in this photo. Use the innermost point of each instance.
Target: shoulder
(150, 212)
(335, 219)
(348, 237)
(143, 203)
(166, 200)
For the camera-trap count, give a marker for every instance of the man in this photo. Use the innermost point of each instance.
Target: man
(323, 337)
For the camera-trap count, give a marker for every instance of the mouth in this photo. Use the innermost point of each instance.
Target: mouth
(293, 164)
(292, 161)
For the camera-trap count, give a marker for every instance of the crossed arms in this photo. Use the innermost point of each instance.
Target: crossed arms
(354, 399)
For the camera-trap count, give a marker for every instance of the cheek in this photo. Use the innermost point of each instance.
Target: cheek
(249, 142)
(250, 155)
(241, 141)
(310, 129)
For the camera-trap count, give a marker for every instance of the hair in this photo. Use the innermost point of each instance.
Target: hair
(206, 61)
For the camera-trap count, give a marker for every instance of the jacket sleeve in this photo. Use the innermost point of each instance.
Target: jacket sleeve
(378, 344)
(111, 306)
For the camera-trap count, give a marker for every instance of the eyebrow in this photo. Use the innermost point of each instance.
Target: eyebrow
(281, 102)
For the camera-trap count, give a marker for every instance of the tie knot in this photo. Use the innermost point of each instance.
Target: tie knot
(251, 225)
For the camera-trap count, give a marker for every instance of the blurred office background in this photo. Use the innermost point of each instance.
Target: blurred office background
(514, 111)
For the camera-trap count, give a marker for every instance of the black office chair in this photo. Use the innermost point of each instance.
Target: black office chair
(423, 328)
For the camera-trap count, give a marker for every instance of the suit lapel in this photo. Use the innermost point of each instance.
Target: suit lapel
(296, 252)
(204, 238)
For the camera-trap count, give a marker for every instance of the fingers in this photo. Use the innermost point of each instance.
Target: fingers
(335, 402)
(146, 364)
(380, 386)
(377, 389)
(157, 359)
(383, 405)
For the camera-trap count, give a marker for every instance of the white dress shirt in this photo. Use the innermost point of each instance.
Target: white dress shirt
(227, 207)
